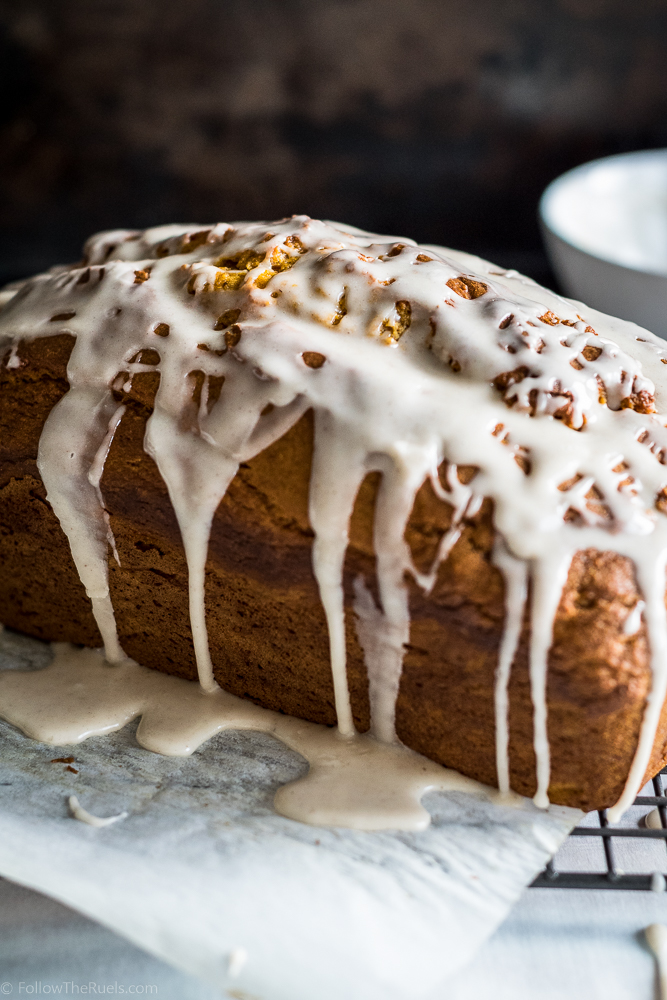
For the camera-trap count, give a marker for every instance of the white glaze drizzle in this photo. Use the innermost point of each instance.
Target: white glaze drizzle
(633, 622)
(13, 361)
(406, 345)
(656, 937)
(465, 504)
(238, 958)
(333, 489)
(658, 883)
(651, 579)
(652, 820)
(74, 435)
(515, 573)
(78, 812)
(548, 579)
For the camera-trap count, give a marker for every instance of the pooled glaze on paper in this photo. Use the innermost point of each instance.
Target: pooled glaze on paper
(653, 820)
(357, 782)
(409, 356)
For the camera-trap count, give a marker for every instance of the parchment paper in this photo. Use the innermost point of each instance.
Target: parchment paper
(203, 867)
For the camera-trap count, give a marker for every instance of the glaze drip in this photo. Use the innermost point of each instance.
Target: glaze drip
(409, 357)
(656, 938)
(515, 572)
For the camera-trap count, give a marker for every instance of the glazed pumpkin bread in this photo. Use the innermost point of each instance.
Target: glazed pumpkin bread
(461, 413)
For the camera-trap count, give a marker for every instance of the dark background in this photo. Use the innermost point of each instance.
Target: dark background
(437, 119)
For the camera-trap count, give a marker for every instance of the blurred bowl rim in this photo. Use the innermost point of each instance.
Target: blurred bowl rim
(563, 180)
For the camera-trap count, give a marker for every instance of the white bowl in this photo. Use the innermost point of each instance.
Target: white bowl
(605, 228)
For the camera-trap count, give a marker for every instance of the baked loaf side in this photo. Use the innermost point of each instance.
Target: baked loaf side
(266, 621)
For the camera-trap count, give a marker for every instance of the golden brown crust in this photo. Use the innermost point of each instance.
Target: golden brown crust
(266, 624)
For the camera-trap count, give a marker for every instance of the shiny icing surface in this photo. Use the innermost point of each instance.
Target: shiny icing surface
(408, 356)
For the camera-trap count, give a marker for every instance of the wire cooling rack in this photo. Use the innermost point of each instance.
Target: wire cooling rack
(614, 877)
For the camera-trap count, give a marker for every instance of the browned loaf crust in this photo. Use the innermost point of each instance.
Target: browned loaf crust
(267, 628)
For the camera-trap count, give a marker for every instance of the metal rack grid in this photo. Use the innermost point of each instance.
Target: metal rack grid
(613, 878)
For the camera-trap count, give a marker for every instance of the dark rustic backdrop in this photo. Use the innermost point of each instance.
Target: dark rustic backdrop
(438, 119)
